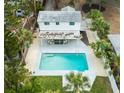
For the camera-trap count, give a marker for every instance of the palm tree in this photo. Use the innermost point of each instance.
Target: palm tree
(77, 82)
(101, 48)
(94, 14)
(96, 49)
(102, 28)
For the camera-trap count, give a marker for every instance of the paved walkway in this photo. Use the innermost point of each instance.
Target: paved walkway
(97, 64)
(32, 55)
(92, 36)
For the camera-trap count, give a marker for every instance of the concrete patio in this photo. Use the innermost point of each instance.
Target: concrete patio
(38, 47)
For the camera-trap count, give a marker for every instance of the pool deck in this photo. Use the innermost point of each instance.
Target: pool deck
(96, 66)
(37, 48)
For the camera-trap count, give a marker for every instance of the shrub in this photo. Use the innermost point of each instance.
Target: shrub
(102, 28)
(94, 14)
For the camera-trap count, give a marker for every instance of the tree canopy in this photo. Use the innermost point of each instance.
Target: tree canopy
(76, 82)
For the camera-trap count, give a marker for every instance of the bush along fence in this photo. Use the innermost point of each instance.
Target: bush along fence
(103, 49)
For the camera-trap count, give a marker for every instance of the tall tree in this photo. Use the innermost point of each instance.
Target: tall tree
(76, 82)
(24, 38)
(16, 41)
(16, 76)
(30, 5)
(11, 47)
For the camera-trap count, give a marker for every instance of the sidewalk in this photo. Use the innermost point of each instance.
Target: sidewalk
(32, 55)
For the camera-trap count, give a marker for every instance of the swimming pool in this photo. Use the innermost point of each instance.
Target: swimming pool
(63, 61)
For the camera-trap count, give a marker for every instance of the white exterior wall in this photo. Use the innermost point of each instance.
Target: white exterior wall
(62, 26)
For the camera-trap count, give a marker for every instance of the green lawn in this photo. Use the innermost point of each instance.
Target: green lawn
(48, 82)
(101, 84)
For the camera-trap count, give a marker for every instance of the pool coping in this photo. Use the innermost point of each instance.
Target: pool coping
(39, 72)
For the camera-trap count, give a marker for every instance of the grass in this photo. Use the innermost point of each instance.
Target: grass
(49, 82)
(101, 84)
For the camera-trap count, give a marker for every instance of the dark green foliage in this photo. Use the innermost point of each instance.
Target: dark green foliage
(102, 48)
(39, 7)
(102, 28)
(17, 79)
(99, 24)
(76, 82)
(94, 14)
(17, 41)
(16, 76)
(11, 47)
(71, 3)
(24, 37)
(44, 83)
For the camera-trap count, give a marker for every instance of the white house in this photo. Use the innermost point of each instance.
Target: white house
(58, 26)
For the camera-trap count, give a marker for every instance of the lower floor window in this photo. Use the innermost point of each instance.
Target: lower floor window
(58, 41)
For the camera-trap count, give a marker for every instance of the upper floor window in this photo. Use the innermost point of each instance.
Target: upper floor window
(46, 23)
(57, 23)
(72, 23)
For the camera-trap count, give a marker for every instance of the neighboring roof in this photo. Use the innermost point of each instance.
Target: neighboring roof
(67, 8)
(59, 16)
(115, 40)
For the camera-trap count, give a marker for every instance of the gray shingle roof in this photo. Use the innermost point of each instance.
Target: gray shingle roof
(59, 16)
(67, 8)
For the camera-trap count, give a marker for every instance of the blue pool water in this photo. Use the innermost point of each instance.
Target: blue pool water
(63, 61)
